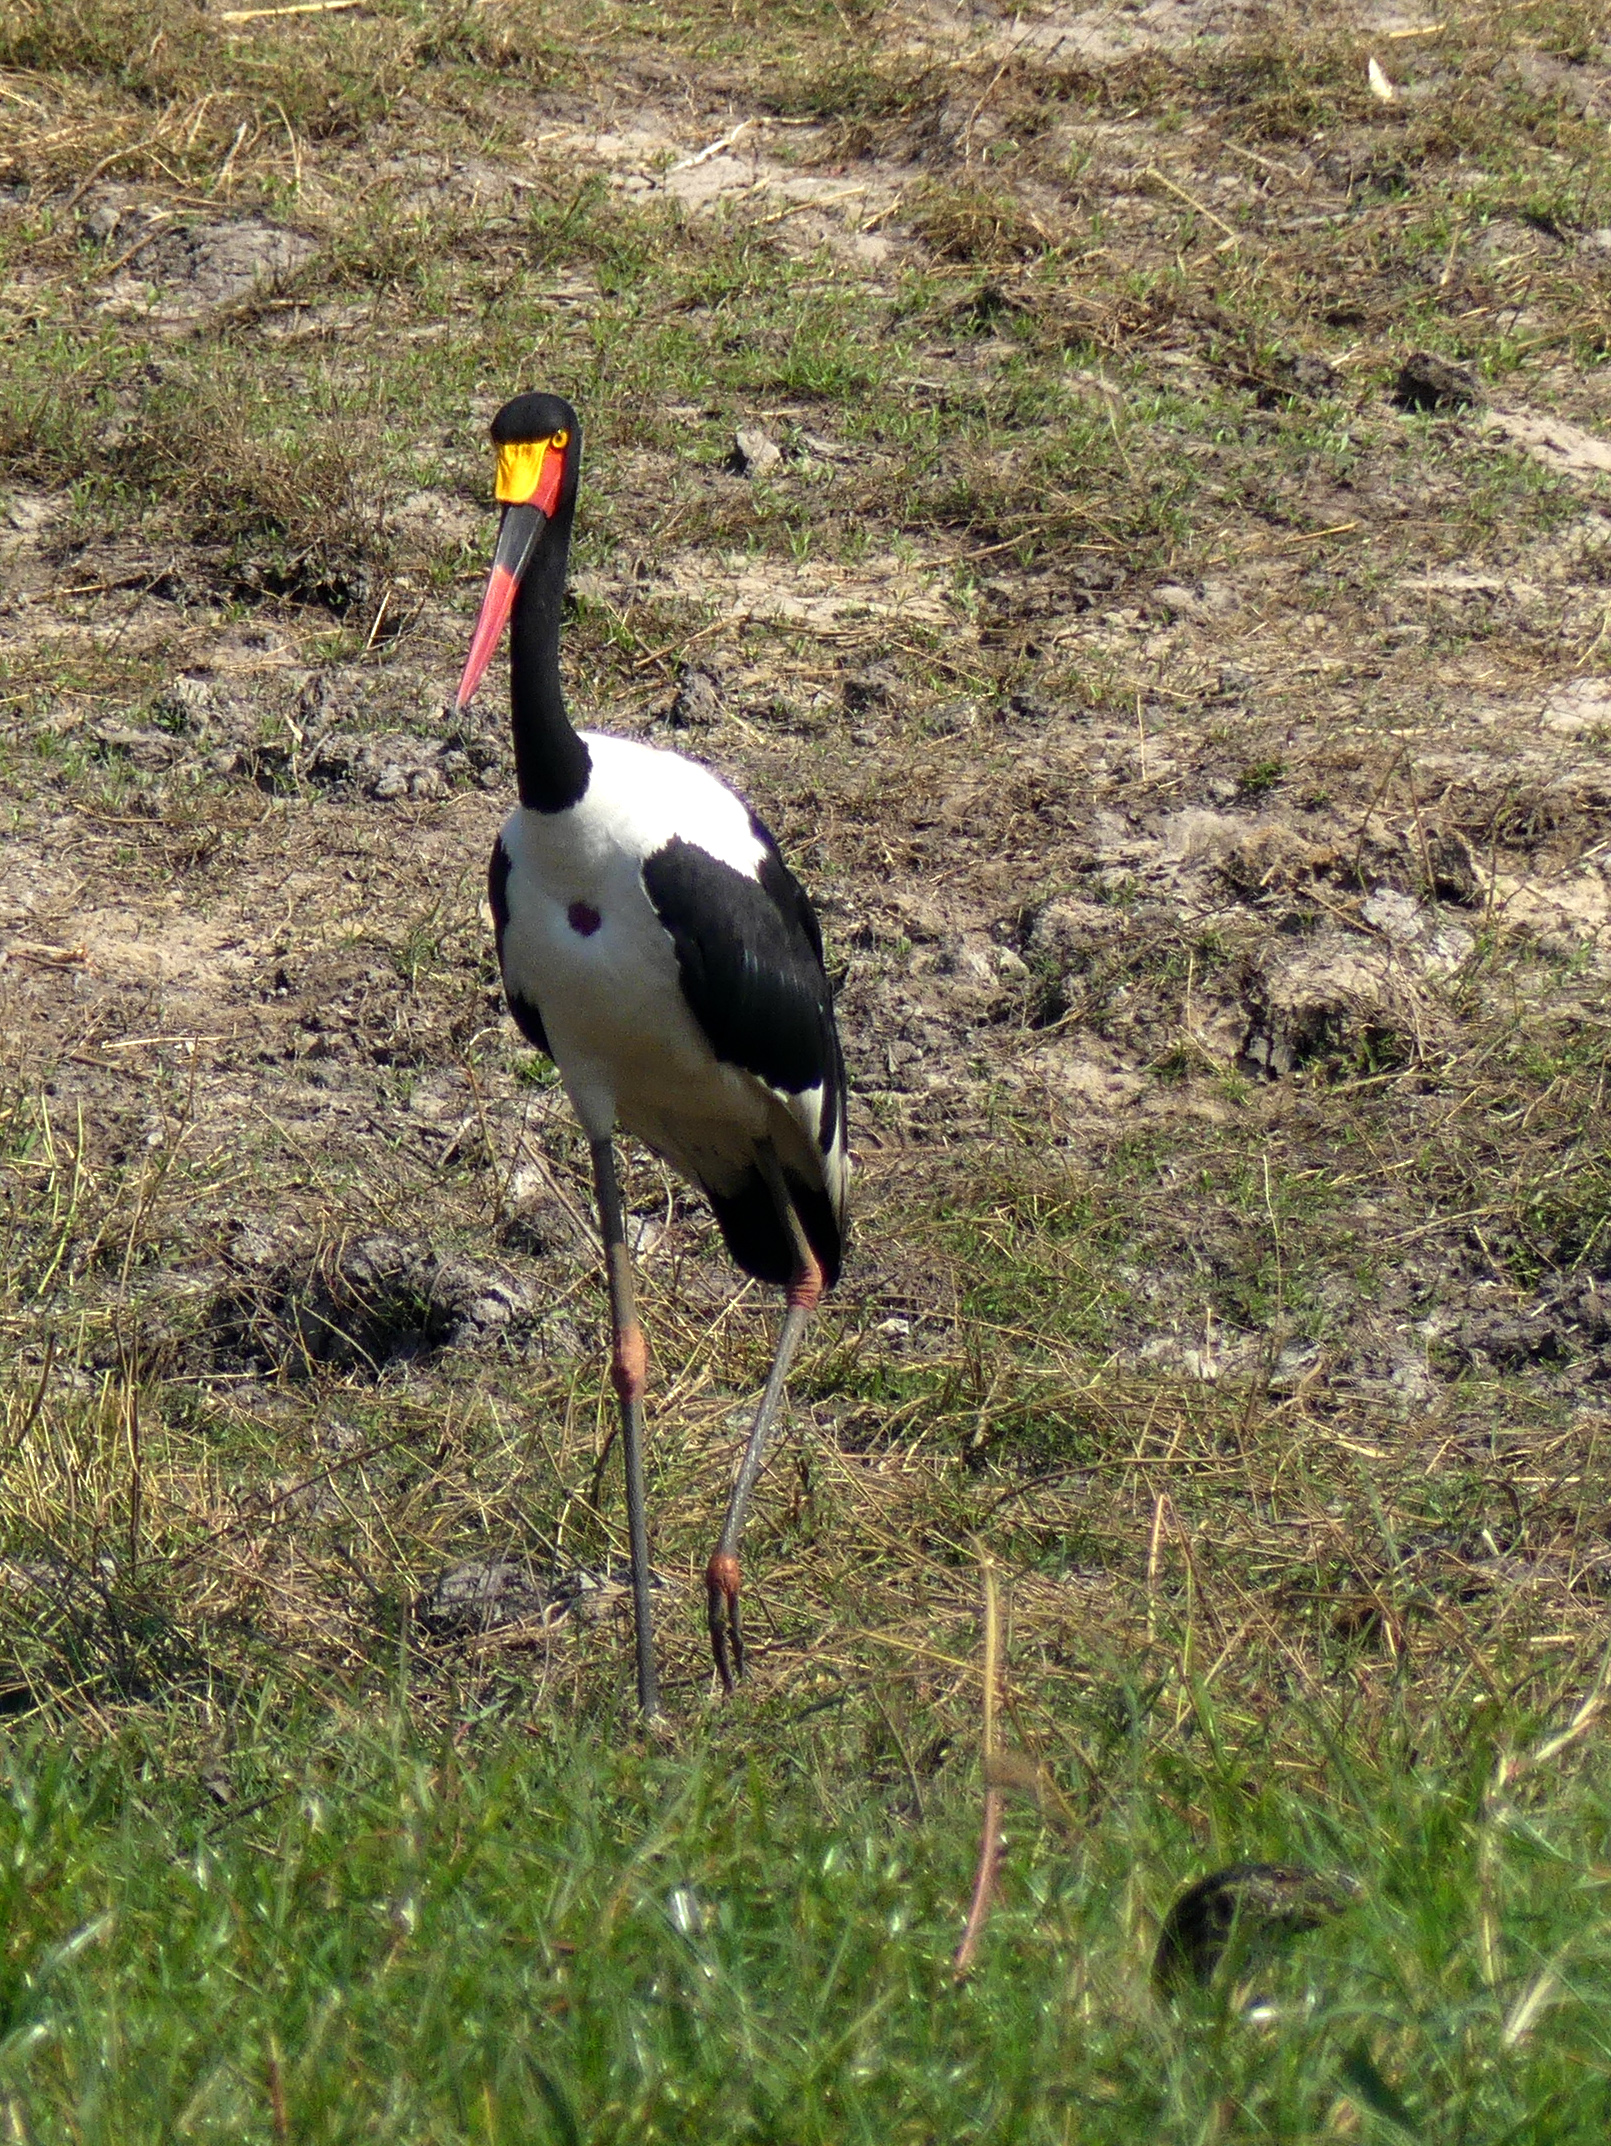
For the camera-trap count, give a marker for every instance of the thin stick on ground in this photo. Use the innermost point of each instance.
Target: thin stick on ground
(984, 1881)
(306, 7)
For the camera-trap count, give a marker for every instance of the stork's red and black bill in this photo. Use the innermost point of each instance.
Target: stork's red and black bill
(517, 540)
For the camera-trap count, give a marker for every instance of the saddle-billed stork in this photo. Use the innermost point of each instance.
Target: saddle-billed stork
(655, 945)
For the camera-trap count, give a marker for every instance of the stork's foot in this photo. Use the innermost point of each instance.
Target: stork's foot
(726, 1633)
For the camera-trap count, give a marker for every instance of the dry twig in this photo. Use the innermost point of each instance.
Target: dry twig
(984, 1883)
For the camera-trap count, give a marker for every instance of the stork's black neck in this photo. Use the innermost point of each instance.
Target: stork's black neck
(551, 762)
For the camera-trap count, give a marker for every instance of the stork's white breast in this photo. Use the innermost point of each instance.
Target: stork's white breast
(623, 1038)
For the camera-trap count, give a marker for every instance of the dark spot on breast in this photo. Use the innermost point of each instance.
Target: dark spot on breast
(584, 918)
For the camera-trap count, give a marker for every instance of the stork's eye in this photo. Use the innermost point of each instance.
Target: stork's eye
(560, 439)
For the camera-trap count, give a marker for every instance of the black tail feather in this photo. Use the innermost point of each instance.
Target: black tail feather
(756, 1234)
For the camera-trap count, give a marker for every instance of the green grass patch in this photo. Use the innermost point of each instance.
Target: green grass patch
(508, 1936)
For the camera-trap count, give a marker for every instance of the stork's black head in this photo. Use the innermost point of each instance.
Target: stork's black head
(532, 417)
(539, 443)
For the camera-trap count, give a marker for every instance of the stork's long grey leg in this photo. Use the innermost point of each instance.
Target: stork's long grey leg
(722, 1577)
(629, 1359)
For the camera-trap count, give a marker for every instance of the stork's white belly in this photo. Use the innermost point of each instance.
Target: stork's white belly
(627, 1047)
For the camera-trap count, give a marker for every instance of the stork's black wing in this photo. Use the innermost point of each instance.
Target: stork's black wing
(749, 958)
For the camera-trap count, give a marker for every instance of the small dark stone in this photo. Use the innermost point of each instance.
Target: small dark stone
(1453, 869)
(1428, 383)
(698, 701)
(1240, 1911)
